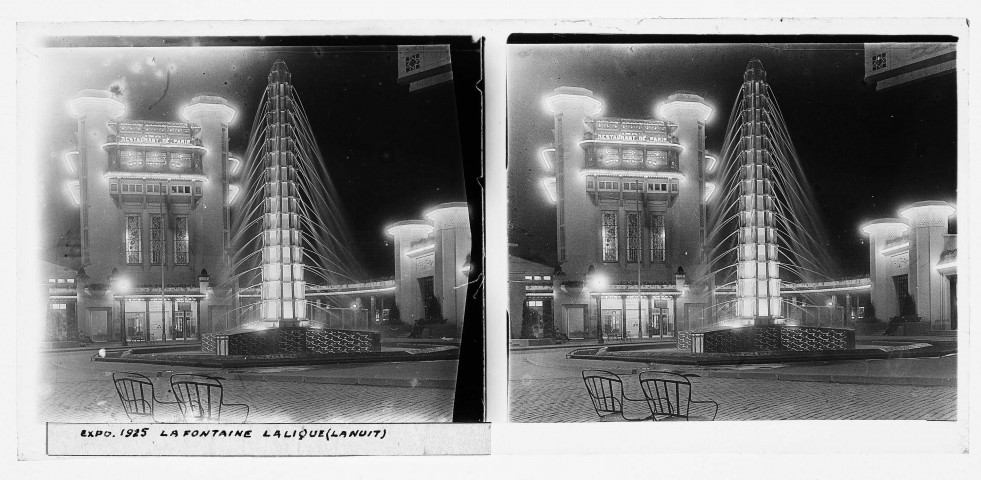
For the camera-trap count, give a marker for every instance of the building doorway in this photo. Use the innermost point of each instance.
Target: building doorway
(613, 323)
(99, 324)
(907, 306)
(575, 320)
(136, 327)
(430, 305)
(182, 322)
(655, 323)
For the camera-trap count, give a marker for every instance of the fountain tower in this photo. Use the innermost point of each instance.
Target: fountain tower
(758, 268)
(282, 293)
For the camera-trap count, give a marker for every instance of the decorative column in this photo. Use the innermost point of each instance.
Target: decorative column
(100, 237)
(577, 219)
(576, 216)
(881, 270)
(928, 223)
(102, 245)
(213, 115)
(408, 235)
(689, 112)
(451, 232)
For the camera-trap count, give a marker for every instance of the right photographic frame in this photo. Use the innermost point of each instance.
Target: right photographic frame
(732, 228)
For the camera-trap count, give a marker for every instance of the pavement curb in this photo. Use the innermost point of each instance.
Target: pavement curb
(587, 345)
(368, 382)
(832, 378)
(231, 363)
(116, 348)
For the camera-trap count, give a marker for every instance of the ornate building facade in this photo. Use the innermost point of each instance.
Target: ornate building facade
(153, 201)
(630, 199)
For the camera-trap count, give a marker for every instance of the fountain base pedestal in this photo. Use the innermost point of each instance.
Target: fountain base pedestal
(770, 338)
(280, 340)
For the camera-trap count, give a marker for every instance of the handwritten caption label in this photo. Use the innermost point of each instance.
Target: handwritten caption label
(301, 433)
(65, 439)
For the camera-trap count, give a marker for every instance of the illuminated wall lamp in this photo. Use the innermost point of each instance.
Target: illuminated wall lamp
(947, 265)
(232, 193)
(709, 190)
(424, 248)
(70, 160)
(544, 156)
(549, 184)
(895, 248)
(74, 190)
(712, 163)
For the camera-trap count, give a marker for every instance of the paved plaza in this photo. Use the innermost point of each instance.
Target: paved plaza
(75, 389)
(545, 386)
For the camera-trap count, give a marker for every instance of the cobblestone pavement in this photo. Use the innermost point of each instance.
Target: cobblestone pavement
(546, 387)
(73, 389)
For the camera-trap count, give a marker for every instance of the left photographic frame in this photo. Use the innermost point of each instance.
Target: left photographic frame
(288, 224)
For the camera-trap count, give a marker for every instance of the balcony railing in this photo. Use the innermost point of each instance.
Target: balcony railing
(170, 167)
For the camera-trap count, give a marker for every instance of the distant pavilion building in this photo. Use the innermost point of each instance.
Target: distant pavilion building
(913, 265)
(432, 261)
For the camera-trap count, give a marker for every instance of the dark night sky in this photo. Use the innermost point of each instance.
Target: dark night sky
(391, 153)
(865, 153)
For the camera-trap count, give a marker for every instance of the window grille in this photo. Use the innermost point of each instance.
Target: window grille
(610, 241)
(134, 233)
(156, 239)
(657, 237)
(633, 237)
(181, 241)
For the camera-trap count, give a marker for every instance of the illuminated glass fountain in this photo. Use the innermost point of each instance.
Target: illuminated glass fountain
(758, 271)
(766, 230)
(282, 299)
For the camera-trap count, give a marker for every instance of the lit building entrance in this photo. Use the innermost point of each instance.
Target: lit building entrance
(621, 316)
(153, 320)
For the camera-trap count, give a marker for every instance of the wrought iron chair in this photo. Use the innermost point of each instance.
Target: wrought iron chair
(606, 392)
(136, 394)
(201, 397)
(668, 396)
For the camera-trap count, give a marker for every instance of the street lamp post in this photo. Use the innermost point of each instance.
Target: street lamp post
(115, 286)
(640, 318)
(594, 282)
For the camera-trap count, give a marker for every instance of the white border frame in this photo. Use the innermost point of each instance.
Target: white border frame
(565, 445)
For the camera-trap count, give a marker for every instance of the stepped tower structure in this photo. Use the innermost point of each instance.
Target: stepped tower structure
(282, 295)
